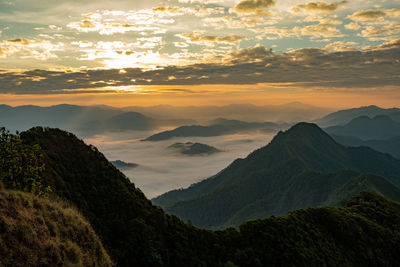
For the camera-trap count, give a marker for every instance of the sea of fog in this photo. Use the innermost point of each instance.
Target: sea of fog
(162, 169)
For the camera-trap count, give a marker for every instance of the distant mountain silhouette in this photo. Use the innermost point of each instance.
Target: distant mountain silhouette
(122, 165)
(194, 149)
(130, 121)
(379, 127)
(291, 112)
(342, 117)
(217, 128)
(391, 146)
(84, 120)
(302, 167)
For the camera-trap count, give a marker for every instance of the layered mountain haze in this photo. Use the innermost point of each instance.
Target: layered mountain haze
(302, 167)
(84, 120)
(290, 112)
(378, 127)
(390, 146)
(218, 127)
(343, 117)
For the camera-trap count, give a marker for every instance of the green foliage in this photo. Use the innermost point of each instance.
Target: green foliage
(20, 165)
(37, 232)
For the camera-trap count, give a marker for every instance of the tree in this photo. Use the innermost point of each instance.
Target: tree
(20, 165)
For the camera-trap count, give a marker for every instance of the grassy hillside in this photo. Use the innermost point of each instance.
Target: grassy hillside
(39, 232)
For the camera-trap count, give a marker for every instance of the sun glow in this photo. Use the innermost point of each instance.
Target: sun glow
(146, 60)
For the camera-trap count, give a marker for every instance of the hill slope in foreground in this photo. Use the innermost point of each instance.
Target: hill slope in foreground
(302, 167)
(136, 233)
(37, 232)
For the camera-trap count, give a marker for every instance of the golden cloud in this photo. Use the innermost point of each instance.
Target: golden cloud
(320, 7)
(322, 30)
(254, 6)
(391, 28)
(374, 14)
(26, 48)
(352, 26)
(341, 46)
(210, 39)
(251, 54)
(111, 22)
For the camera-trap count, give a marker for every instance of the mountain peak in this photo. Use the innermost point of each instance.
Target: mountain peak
(303, 131)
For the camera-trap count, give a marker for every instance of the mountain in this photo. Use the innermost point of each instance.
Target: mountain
(379, 127)
(133, 231)
(136, 233)
(219, 127)
(342, 117)
(130, 121)
(122, 165)
(291, 112)
(302, 167)
(84, 120)
(38, 232)
(194, 149)
(65, 116)
(390, 146)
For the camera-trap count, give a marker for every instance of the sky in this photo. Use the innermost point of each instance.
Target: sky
(197, 52)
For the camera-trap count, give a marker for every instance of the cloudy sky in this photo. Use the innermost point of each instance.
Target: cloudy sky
(193, 52)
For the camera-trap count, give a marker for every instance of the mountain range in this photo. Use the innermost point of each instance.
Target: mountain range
(136, 233)
(366, 128)
(84, 120)
(302, 167)
(217, 128)
(344, 116)
(291, 112)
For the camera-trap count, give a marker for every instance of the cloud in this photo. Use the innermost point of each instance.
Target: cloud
(341, 46)
(196, 38)
(27, 48)
(352, 26)
(198, 11)
(111, 22)
(273, 33)
(254, 7)
(322, 30)
(252, 54)
(334, 66)
(385, 30)
(374, 14)
(320, 7)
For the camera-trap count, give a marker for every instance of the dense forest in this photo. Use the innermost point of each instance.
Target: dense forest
(136, 233)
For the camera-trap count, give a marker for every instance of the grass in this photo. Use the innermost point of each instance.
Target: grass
(38, 232)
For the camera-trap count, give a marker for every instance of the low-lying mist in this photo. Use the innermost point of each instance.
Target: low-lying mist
(161, 169)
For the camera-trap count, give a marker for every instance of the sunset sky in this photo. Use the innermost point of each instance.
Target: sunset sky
(197, 52)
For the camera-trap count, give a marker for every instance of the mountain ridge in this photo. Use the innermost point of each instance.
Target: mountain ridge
(291, 157)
